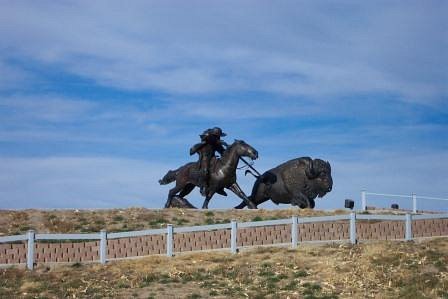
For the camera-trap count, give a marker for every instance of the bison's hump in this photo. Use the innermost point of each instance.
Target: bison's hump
(294, 163)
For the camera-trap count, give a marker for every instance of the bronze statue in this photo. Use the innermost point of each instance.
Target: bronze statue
(222, 171)
(181, 203)
(210, 143)
(298, 182)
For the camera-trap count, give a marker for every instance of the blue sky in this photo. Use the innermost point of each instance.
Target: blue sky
(98, 99)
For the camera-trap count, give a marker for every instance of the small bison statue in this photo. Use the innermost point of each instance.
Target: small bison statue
(297, 182)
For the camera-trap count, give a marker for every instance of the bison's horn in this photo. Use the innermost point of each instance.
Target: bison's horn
(311, 171)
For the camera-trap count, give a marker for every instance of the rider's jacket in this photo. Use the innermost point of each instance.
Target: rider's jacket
(210, 143)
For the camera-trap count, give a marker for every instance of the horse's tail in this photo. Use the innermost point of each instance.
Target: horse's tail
(169, 177)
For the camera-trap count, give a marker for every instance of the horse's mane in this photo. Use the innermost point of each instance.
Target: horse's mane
(230, 147)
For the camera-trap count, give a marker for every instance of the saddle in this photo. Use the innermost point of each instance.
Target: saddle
(212, 166)
(197, 172)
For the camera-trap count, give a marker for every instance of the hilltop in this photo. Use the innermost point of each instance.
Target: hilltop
(115, 220)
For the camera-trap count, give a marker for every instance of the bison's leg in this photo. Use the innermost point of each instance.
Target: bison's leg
(301, 200)
(312, 204)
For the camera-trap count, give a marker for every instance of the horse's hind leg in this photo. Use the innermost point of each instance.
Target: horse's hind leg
(256, 201)
(186, 190)
(235, 188)
(171, 194)
(257, 197)
(242, 205)
(206, 201)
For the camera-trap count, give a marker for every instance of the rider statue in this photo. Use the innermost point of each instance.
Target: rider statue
(210, 143)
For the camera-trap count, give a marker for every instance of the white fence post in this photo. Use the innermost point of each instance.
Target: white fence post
(233, 234)
(169, 240)
(353, 228)
(294, 231)
(103, 246)
(363, 200)
(408, 235)
(414, 203)
(30, 252)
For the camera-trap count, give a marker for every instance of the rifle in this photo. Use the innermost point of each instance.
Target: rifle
(251, 167)
(248, 164)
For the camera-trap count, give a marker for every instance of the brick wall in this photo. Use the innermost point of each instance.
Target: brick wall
(136, 246)
(430, 228)
(13, 253)
(321, 231)
(66, 252)
(380, 230)
(201, 240)
(265, 235)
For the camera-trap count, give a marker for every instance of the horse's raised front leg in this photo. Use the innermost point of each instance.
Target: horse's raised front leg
(235, 188)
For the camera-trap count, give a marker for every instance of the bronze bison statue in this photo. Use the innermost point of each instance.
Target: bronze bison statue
(297, 182)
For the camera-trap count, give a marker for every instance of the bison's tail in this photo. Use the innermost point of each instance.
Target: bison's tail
(249, 171)
(169, 177)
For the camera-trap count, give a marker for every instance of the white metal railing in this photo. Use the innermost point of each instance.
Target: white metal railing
(412, 196)
(169, 231)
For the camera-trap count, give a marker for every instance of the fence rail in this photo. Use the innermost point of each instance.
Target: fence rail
(348, 222)
(138, 233)
(199, 228)
(380, 217)
(13, 238)
(264, 223)
(94, 236)
(412, 196)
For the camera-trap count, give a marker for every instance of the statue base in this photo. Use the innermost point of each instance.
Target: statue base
(180, 202)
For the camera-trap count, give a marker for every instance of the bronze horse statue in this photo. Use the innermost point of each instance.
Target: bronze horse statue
(222, 175)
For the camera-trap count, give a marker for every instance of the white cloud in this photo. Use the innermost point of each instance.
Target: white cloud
(45, 107)
(312, 49)
(304, 58)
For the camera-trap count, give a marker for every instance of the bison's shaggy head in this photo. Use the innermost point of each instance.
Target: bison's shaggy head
(319, 172)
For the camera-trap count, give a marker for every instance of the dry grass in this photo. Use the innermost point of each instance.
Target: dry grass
(71, 221)
(378, 270)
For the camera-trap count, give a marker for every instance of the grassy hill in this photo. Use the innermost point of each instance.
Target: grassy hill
(375, 270)
(379, 270)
